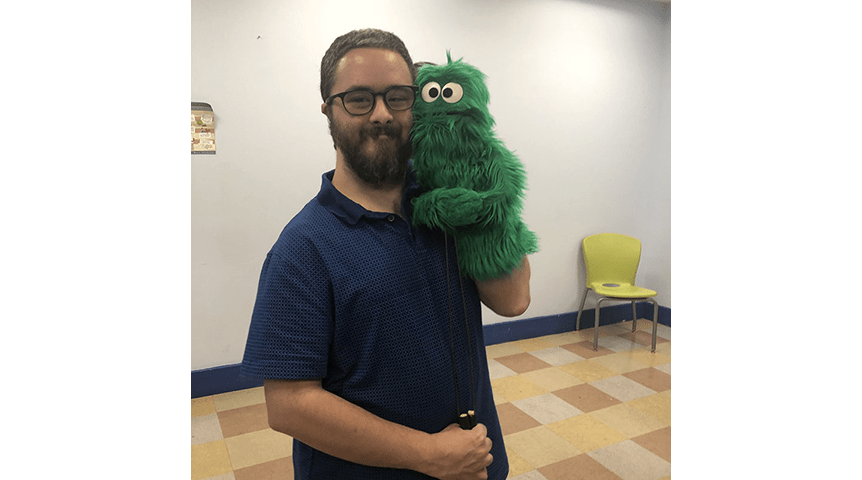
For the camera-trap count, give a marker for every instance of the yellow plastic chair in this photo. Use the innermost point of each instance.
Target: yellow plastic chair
(612, 263)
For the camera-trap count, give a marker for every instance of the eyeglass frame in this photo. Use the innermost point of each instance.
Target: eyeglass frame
(374, 95)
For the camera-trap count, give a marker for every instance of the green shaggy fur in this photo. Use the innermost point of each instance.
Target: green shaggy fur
(474, 186)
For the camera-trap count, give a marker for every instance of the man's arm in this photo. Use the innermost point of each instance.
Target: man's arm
(326, 422)
(508, 296)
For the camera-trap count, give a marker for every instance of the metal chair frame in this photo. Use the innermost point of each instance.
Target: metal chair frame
(603, 298)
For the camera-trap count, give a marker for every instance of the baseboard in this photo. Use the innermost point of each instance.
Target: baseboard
(212, 381)
(565, 322)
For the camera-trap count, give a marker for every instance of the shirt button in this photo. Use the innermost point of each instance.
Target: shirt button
(391, 218)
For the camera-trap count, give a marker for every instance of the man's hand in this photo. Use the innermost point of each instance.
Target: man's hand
(456, 454)
(326, 422)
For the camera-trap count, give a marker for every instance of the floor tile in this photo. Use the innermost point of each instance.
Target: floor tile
(628, 420)
(516, 388)
(531, 475)
(622, 388)
(556, 356)
(533, 344)
(652, 378)
(662, 331)
(585, 349)
(498, 370)
(650, 359)
(630, 461)
(203, 406)
(553, 378)
(258, 447)
(243, 420)
(615, 329)
(588, 371)
(547, 408)
(522, 362)
(206, 429)
(586, 432)
(620, 362)
(657, 442)
(657, 405)
(513, 419)
(540, 446)
(240, 398)
(517, 465)
(281, 469)
(643, 338)
(665, 367)
(565, 338)
(586, 397)
(617, 343)
(226, 476)
(210, 459)
(581, 467)
(502, 350)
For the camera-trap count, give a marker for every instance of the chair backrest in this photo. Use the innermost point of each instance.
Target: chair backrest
(611, 258)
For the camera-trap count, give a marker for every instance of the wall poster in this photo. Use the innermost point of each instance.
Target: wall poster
(203, 129)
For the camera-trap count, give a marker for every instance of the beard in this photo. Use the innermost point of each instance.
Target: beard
(386, 165)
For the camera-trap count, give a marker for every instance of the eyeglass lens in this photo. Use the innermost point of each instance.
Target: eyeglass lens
(360, 102)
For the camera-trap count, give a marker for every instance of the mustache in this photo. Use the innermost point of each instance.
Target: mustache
(391, 130)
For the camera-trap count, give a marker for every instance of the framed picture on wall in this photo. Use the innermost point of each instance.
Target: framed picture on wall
(203, 129)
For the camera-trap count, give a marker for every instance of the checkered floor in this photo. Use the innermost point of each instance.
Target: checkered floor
(566, 411)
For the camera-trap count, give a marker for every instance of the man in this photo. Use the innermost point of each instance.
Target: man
(369, 341)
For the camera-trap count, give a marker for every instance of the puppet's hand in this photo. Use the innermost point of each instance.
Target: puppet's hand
(447, 208)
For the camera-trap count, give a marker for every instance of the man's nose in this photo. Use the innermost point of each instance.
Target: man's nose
(380, 112)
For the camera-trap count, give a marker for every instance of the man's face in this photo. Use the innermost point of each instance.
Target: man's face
(375, 146)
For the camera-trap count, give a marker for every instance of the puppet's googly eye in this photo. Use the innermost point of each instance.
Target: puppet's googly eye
(430, 91)
(452, 92)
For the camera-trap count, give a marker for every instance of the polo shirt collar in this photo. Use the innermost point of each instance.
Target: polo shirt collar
(348, 210)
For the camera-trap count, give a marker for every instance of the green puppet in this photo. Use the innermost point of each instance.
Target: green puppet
(473, 185)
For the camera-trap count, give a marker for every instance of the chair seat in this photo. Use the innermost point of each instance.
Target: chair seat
(621, 291)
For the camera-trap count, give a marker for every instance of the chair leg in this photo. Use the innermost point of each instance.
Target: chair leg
(654, 322)
(634, 316)
(596, 336)
(581, 309)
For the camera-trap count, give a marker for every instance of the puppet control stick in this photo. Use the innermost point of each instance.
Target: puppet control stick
(467, 420)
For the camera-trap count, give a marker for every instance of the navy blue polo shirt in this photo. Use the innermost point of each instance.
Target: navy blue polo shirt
(361, 300)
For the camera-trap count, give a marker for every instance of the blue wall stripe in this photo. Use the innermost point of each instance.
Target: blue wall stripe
(540, 326)
(212, 381)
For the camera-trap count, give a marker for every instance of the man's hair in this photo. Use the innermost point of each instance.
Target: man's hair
(366, 38)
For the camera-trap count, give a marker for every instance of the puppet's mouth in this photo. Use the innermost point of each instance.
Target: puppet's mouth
(453, 113)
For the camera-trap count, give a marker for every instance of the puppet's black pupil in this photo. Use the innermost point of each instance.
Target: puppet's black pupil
(433, 92)
(447, 92)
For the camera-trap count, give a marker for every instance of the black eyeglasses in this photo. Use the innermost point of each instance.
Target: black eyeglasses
(361, 101)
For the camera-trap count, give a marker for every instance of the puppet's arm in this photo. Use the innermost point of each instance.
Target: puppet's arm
(506, 184)
(447, 208)
(454, 207)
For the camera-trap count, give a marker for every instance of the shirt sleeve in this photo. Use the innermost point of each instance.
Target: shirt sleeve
(292, 321)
